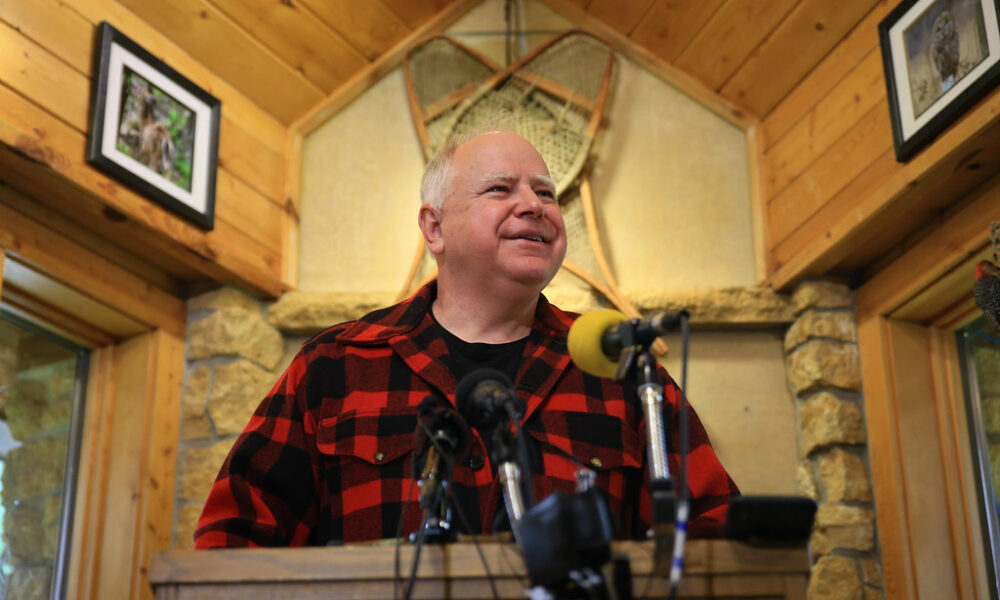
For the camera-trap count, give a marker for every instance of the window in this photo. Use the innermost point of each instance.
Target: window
(42, 382)
(980, 346)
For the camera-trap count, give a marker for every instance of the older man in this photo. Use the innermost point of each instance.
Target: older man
(326, 457)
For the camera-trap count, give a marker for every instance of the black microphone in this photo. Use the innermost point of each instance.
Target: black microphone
(487, 398)
(484, 395)
(986, 291)
(441, 439)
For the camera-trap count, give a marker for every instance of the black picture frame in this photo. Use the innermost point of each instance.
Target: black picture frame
(937, 65)
(153, 129)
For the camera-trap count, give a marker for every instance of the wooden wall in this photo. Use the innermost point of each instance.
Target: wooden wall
(45, 80)
(835, 199)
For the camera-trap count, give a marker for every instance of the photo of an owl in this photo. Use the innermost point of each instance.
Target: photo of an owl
(943, 45)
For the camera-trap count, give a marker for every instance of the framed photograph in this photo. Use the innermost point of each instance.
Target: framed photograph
(940, 58)
(153, 129)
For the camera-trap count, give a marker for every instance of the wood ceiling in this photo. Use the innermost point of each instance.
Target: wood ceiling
(287, 56)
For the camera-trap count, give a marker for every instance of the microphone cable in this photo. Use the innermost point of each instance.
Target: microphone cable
(408, 590)
(683, 507)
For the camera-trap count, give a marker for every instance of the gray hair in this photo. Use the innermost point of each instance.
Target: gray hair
(434, 185)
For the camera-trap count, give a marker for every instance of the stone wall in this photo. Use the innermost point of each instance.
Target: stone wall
(824, 373)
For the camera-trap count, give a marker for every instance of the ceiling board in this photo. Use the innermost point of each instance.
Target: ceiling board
(670, 25)
(229, 51)
(369, 26)
(414, 13)
(621, 15)
(791, 51)
(303, 41)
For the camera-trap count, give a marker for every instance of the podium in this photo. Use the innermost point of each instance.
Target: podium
(713, 569)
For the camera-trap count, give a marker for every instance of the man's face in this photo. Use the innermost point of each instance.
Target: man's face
(501, 218)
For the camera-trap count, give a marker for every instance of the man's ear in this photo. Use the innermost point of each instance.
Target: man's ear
(430, 226)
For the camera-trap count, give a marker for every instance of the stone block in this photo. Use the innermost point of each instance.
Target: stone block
(222, 298)
(821, 294)
(307, 313)
(198, 468)
(23, 534)
(834, 578)
(25, 406)
(826, 419)
(194, 420)
(813, 325)
(873, 594)
(805, 480)
(235, 332)
(843, 527)
(991, 414)
(824, 364)
(187, 522)
(34, 470)
(844, 477)
(30, 583)
(719, 307)
(238, 389)
(871, 572)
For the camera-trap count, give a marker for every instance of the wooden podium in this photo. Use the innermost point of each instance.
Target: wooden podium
(713, 569)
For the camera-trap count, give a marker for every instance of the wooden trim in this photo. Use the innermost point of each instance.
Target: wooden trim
(3, 259)
(89, 273)
(362, 80)
(956, 457)
(292, 211)
(758, 201)
(666, 71)
(885, 455)
(37, 310)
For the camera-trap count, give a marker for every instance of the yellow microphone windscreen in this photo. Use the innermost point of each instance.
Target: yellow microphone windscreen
(584, 341)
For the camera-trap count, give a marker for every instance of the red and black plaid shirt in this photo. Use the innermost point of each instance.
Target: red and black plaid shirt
(326, 456)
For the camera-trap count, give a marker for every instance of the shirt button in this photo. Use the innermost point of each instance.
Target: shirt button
(379, 457)
(596, 462)
(476, 462)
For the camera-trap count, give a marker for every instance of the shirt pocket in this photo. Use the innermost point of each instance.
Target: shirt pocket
(377, 436)
(570, 441)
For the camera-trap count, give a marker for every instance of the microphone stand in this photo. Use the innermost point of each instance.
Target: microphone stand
(505, 455)
(669, 502)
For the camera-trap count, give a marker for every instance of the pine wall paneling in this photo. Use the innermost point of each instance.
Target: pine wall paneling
(44, 113)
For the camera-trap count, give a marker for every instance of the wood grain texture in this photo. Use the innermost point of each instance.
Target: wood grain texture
(791, 51)
(834, 115)
(62, 31)
(369, 27)
(729, 36)
(414, 13)
(670, 25)
(304, 42)
(621, 15)
(202, 29)
(859, 42)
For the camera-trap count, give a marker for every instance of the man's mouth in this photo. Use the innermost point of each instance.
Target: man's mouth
(533, 238)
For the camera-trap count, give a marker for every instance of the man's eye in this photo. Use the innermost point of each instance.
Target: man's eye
(546, 194)
(497, 188)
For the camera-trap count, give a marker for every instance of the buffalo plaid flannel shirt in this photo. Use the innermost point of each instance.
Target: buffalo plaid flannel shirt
(326, 456)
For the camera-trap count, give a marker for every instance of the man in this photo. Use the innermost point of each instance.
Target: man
(326, 457)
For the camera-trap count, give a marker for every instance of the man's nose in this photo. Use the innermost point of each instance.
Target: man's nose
(528, 202)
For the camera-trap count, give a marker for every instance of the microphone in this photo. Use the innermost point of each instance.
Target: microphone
(596, 339)
(441, 439)
(486, 398)
(484, 395)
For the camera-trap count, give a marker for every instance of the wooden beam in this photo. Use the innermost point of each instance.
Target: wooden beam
(34, 309)
(962, 235)
(89, 273)
(673, 75)
(387, 61)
